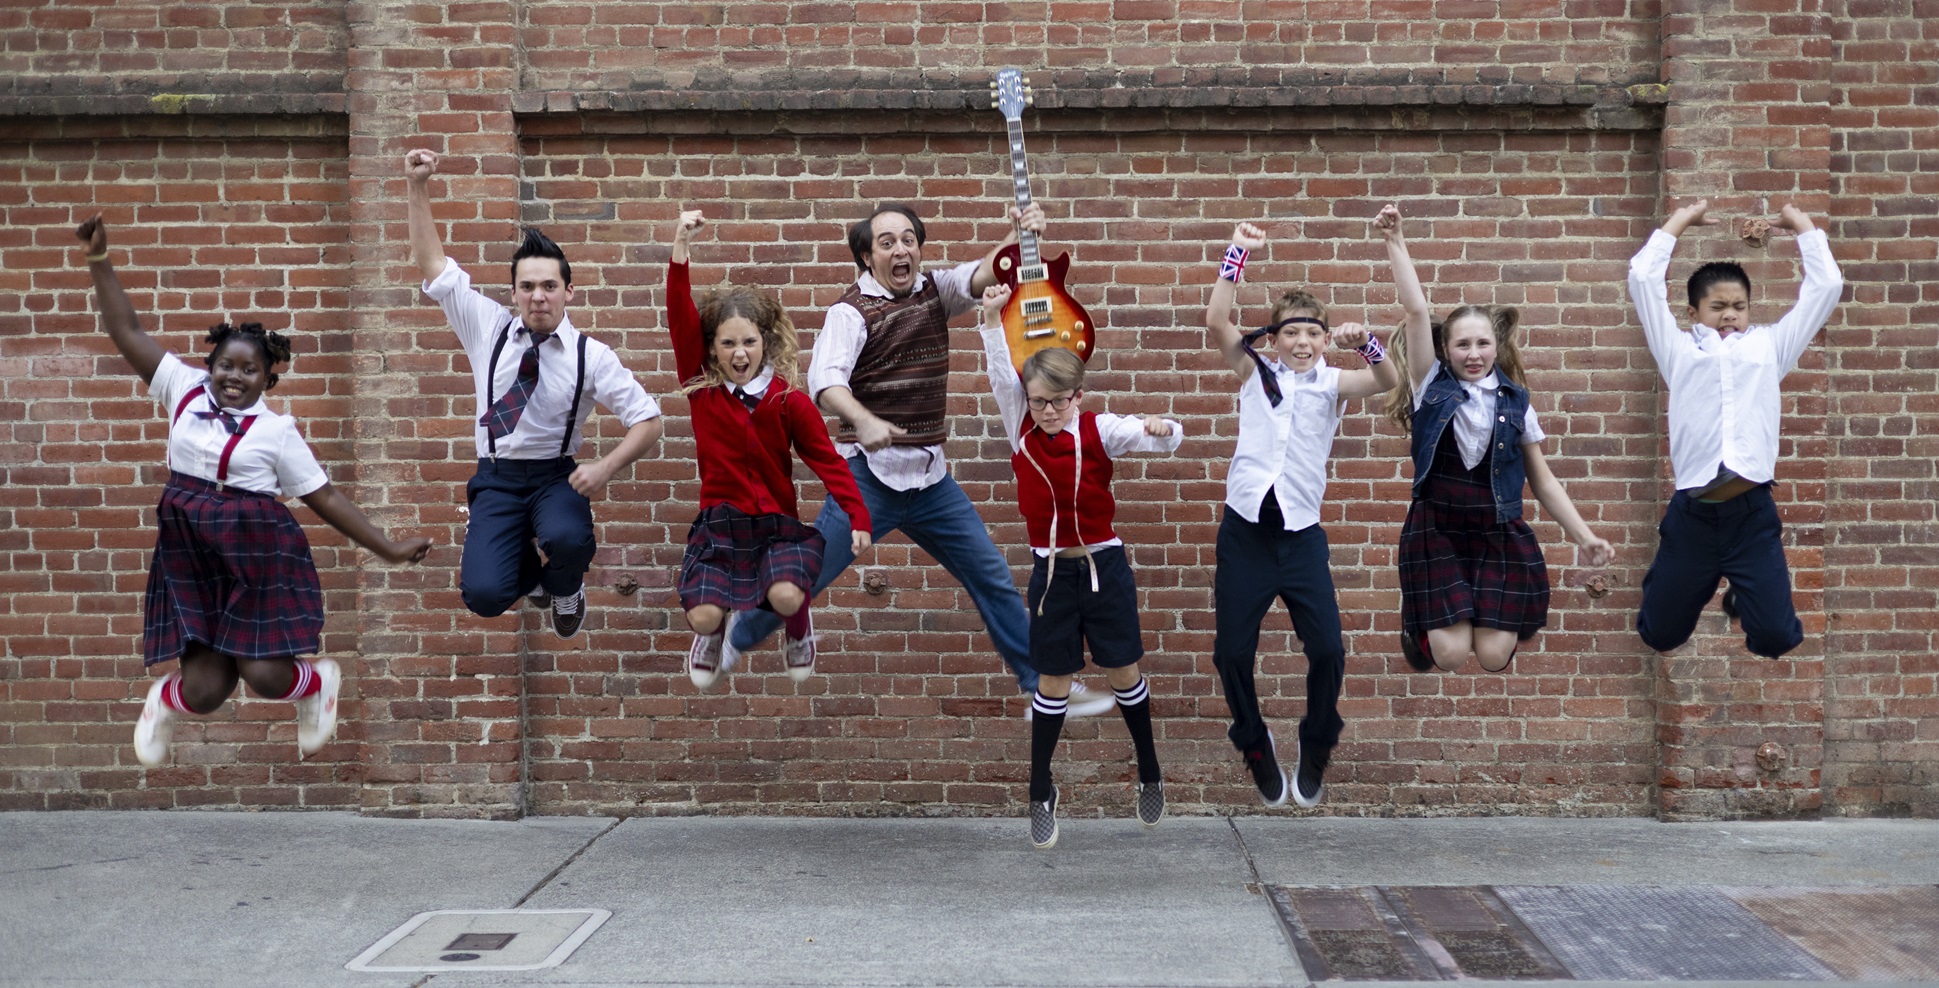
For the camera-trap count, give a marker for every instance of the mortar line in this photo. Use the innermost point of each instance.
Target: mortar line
(563, 865)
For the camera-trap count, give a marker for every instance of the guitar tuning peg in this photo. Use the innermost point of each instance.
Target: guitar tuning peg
(994, 106)
(1029, 100)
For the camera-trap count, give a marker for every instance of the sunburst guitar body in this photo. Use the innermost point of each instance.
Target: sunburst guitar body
(1040, 313)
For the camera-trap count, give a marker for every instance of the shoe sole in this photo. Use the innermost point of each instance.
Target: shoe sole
(155, 700)
(331, 683)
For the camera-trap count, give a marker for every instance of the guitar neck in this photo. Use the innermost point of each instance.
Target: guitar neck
(1029, 261)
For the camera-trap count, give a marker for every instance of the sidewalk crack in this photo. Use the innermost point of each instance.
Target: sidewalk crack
(567, 863)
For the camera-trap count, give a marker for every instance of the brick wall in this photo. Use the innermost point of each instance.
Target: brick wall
(250, 162)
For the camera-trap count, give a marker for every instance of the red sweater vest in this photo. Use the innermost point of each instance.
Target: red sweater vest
(1058, 486)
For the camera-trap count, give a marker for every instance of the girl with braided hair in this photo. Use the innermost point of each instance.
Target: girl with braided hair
(232, 592)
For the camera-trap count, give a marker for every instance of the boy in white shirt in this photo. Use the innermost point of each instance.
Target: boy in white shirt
(1723, 375)
(1270, 541)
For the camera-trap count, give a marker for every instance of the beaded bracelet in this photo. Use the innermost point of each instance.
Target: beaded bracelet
(97, 258)
(1233, 267)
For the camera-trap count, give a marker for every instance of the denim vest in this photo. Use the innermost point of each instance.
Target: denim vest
(1442, 396)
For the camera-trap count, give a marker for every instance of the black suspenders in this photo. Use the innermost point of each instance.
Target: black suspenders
(578, 388)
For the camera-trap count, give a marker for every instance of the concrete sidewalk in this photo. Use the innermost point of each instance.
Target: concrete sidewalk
(290, 898)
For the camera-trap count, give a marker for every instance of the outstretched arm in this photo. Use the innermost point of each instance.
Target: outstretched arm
(1555, 501)
(427, 251)
(1004, 384)
(1224, 335)
(1823, 284)
(344, 516)
(1413, 301)
(683, 320)
(1647, 290)
(1380, 375)
(117, 313)
(1031, 219)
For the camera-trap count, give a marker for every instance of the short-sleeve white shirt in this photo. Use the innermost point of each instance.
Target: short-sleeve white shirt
(1283, 448)
(271, 458)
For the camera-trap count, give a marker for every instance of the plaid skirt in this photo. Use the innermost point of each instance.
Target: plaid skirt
(233, 571)
(1457, 563)
(733, 558)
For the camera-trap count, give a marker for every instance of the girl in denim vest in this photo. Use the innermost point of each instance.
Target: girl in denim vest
(1472, 578)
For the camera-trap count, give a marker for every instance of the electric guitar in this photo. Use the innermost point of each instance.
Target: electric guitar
(1040, 314)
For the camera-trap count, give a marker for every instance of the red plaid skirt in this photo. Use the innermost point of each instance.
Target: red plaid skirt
(1457, 563)
(733, 558)
(233, 571)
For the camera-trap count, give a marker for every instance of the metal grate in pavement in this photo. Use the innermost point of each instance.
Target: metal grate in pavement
(1648, 933)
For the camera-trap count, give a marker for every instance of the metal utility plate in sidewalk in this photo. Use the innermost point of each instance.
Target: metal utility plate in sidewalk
(1610, 932)
(482, 940)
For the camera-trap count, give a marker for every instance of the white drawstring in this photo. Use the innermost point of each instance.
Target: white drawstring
(1076, 521)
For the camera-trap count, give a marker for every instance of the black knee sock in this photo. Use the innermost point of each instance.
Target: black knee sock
(1135, 705)
(1046, 726)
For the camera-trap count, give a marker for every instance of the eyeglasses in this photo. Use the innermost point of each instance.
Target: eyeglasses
(1061, 403)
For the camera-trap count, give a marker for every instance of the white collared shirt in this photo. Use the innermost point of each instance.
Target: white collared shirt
(756, 385)
(1120, 434)
(1474, 419)
(542, 428)
(1724, 406)
(272, 457)
(843, 332)
(1284, 448)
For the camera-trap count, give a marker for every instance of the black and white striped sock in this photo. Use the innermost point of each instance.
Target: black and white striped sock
(1046, 726)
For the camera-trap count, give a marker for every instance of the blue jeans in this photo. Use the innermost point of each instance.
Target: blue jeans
(942, 521)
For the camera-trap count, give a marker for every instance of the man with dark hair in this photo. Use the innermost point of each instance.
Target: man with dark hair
(537, 378)
(881, 363)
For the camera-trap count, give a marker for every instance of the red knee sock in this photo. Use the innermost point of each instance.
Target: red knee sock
(304, 683)
(797, 624)
(172, 694)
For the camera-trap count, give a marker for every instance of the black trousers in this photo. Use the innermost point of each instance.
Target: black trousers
(512, 503)
(1703, 543)
(1257, 563)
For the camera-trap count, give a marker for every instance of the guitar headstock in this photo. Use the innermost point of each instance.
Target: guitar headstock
(1009, 94)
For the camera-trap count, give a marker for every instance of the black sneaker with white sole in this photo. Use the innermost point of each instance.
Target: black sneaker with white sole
(1043, 822)
(1151, 803)
(1266, 773)
(1309, 781)
(568, 613)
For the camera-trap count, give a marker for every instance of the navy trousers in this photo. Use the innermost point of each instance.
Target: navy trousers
(1739, 539)
(512, 503)
(1256, 564)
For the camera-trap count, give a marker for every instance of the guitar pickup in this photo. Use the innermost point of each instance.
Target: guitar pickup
(1031, 272)
(1036, 307)
(1038, 334)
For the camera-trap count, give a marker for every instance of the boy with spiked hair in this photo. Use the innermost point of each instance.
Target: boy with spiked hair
(537, 378)
(1723, 375)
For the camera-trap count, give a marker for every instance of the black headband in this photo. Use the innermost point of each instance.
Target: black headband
(1282, 324)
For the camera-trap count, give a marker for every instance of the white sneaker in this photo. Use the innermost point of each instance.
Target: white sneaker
(1084, 703)
(316, 714)
(703, 659)
(800, 654)
(155, 728)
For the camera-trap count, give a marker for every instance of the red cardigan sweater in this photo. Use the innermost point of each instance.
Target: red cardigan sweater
(744, 456)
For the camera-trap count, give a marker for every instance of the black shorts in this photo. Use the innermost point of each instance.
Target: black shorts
(1073, 614)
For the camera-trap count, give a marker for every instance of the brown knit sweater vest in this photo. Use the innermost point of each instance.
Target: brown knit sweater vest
(902, 373)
